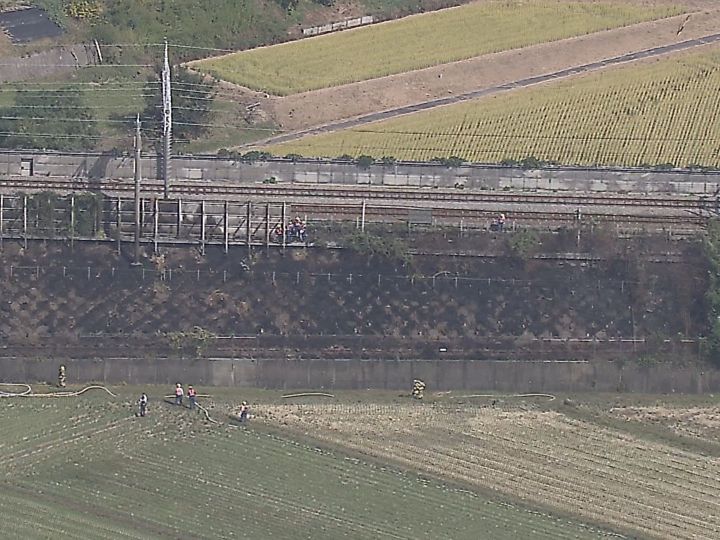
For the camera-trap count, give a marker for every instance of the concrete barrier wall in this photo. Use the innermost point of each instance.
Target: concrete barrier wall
(500, 376)
(96, 166)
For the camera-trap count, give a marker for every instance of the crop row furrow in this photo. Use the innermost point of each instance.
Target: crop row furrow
(504, 482)
(228, 493)
(18, 434)
(68, 442)
(432, 461)
(374, 480)
(700, 469)
(584, 438)
(546, 480)
(23, 510)
(562, 493)
(625, 469)
(513, 455)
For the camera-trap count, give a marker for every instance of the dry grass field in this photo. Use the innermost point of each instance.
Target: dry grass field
(636, 475)
(421, 41)
(667, 111)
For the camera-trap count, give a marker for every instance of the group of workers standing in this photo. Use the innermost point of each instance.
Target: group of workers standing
(179, 394)
(296, 231)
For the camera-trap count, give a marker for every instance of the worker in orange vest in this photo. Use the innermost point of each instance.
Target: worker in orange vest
(178, 394)
(192, 395)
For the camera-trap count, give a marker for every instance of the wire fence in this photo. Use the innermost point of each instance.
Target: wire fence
(244, 272)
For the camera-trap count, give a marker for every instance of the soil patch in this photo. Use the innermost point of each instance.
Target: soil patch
(25, 25)
(699, 422)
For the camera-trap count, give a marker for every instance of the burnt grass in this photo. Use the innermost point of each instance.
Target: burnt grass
(608, 288)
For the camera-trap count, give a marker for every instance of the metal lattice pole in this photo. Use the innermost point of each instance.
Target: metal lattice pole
(167, 121)
(138, 177)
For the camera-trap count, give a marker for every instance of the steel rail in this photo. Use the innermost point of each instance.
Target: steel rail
(401, 213)
(360, 193)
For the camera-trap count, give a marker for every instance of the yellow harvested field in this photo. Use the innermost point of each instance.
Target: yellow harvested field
(664, 112)
(421, 41)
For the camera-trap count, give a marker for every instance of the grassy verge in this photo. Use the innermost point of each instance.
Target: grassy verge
(667, 112)
(420, 41)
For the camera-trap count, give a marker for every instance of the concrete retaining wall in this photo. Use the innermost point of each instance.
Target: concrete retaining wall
(96, 166)
(526, 376)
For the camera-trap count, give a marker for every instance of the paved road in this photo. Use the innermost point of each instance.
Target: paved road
(522, 83)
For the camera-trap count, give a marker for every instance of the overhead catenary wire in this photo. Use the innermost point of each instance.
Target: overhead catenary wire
(85, 120)
(173, 45)
(98, 84)
(64, 136)
(18, 65)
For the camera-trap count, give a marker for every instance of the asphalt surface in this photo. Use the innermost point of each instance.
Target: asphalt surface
(25, 25)
(521, 83)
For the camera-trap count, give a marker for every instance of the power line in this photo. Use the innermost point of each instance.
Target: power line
(88, 120)
(58, 107)
(83, 83)
(226, 126)
(60, 136)
(64, 92)
(173, 45)
(76, 65)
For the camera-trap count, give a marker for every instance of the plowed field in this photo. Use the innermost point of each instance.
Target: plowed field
(87, 468)
(642, 485)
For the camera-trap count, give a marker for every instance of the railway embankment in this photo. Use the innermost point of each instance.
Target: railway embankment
(498, 297)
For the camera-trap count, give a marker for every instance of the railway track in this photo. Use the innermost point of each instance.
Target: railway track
(383, 204)
(455, 214)
(292, 192)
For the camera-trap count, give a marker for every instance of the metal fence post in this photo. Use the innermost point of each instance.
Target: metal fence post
(25, 209)
(179, 217)
(72, 221)
(226, 227)
(248, 234)
(202, 230)
(156, 219)
(283, 225)
(267, 225)
(118, 223)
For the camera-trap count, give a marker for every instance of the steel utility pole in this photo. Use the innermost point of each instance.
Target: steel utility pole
(167, 121)
(138, 173)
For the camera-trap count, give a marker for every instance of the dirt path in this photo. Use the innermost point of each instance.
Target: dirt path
(377, 99)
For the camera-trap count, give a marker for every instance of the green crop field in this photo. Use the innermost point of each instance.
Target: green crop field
(667, 112)
(86, 467)
(421, 41)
